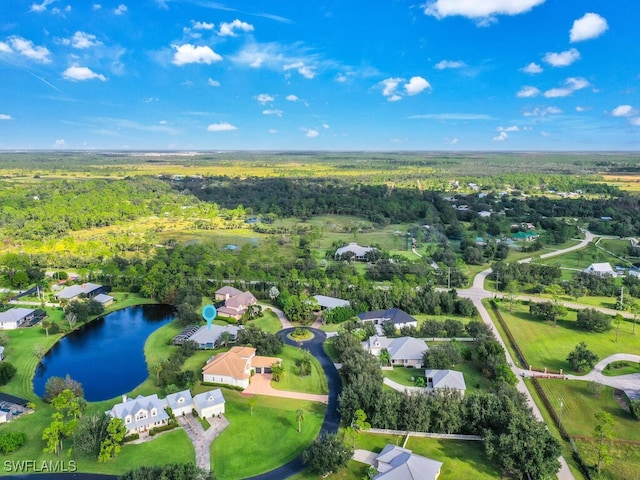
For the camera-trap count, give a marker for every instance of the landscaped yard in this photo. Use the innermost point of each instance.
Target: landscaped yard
(316, 382)
(260, 442)
(546, 345)
(621, 368)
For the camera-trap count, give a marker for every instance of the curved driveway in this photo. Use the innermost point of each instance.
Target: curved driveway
(332, 417)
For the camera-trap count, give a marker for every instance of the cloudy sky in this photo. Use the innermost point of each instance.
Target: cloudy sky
(320, 75)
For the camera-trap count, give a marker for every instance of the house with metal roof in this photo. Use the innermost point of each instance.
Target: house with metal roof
(397, 463)
(205, 336)
(209, 404)
(140, 414)
(404, 351)
(601, 269)
(354, 251)
(16, 318)
(327, 303)
(71, 292)
(398, 317)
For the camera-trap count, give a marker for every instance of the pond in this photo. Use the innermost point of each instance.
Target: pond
(106, 355)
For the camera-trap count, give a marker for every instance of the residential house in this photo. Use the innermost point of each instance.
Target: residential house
(397, 463)
(209, 404)
(236, 366)
(74, 291)
(180, 403)
(16, 318)
(5, 416)
(354, 250)
(525, 236)
(327, 303)
(140, 414)
(439, 379)
(205, 336)
(235, 305)
(403, 351)
(1, 353)
(104, 299)
(601, 270)
(398, 317)
(225, 293)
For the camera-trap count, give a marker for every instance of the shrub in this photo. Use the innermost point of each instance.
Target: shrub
(131, 438)
(164, 428)
(593, 321)
(10, 442)
(634, 408)
(7, 371)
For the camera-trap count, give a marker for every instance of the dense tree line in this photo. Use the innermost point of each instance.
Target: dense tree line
(520, 444)
(524, 273)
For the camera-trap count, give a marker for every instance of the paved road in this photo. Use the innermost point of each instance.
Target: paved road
(629, 383)
(332, 417)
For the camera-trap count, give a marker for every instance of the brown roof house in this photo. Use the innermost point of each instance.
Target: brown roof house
(236, 305)
(235, 366)
(225, 293)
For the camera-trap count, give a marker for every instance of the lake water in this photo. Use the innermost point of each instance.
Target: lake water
(106, 355)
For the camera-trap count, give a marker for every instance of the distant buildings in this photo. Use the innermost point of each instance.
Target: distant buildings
(236, 302)
(19, 317)
(601, 270)
(353, 251)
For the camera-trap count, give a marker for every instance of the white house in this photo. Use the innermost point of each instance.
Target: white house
(439, 379)
(397, 463)
(601, 270)
(74, 291)
(327, 303)
(141, 413)
(209, 404)
(180, 403)
(404, 351)
(358, 252)
(15, 318)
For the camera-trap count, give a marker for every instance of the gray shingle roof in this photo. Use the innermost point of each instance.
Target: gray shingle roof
(396, 463)
(446, 379)
(394, 315)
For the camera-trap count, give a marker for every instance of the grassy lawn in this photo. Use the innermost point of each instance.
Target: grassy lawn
(269, 322)
(292, 381)
(404, 376)
(581, 259)
(625, 460)
(330, 350)
(257, 443)
(621, 368)
(546, 345)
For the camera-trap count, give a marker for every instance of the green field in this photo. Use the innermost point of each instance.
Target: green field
(546, 345)
(621, 368)
(260, 442)
(291, 381)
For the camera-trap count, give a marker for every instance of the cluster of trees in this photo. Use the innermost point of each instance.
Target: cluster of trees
(520, 444)
(172, 471)
(581, 358)
(265, 343)
(592, 320)
(530, 273)
(11, 441)
(54, 386)
(80, 311)
(7, 371)
(432, 328)
(169, 373)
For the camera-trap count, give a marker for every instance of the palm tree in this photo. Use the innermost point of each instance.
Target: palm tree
(224, 339)
(252, 403)
(157, 368)
(299, 418)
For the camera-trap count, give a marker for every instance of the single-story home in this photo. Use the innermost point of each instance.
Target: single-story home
(235, 305)
(204, 336)
(104, 299)
(439, 379)
(397, 463)
(327, 303)
(5, 416)
(235, 366)
(404, 351)
(356, 251)
(140, 414)
(601, 270)
(209, 404)
(398, 317)
(16, 318)
(74, 291)
(11, 407)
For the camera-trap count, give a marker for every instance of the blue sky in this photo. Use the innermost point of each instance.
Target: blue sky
(320, 75)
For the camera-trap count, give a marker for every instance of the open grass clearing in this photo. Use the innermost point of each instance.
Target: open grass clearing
(622, 367)
(625, 458)
(546, 345)
(258, 443)
(291, 381)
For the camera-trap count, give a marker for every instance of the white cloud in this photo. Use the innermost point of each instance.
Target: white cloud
(96, 6)
(59, 142)
(189, 53)
(272, 130)
(394, 98)
(221, 127)
(390, 85)
(5, 48)
(202, 25)
(479, 9)
(27, 49)
(453, 141)
(591, 25)
(528, 92)
(273, 111)
(229, 29)
(562, 59)
(416, 85)
(264, 98)
(580, 108)
(444, 64)
(341, 78)
(311, 133)
(121, 9)
(571, 85)
(76, 73)
(501, 137)
(542, 112)
(304, 70)
(4, 116)
(150, 99)
(635, 121)
(42, 7)
(292, 98)
(623, 111)
(82, 40)
(532, 68)
(512, 128)
(325, 125)
(213, 83)
(452, 116)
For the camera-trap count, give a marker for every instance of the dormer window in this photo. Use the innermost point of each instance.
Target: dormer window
(154, 412)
